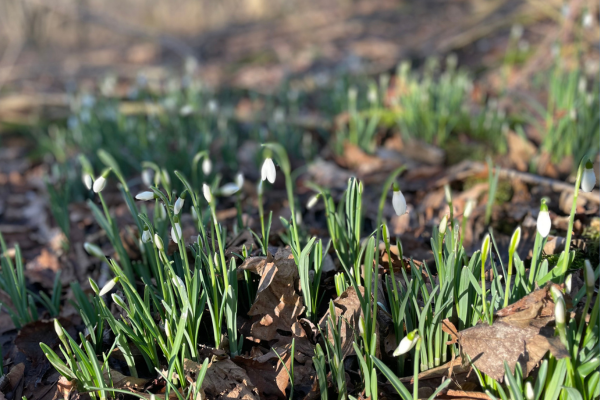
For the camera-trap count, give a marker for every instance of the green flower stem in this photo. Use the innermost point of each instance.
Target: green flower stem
(416, 369)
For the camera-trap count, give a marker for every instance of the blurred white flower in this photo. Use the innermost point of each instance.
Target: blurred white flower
(99, 184)
(229, 189)
(178, 205)
(158, 242)
(176, 232)
(87, 181)
(145, 196)
(206, 166)
(407, 343)
(207, 193)
(268, 170)
(146, 236)
(93, 250)
(398, 201)
(588, 180)
(543, 220)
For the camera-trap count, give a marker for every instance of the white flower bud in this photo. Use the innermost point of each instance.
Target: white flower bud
(178, 205)
(529, 393)
(207, 193)
(145, 196)
(560, 312)
(176, 232)
(118, 300)
(229, 189)
(469, 208)
(443, 224)
(587, 20)
(206, 166)
(147, 175)
(556, 293)
(407, 343)
(543, 220)
(398, 201)
(588, 180)
(186, 110)
(312, 201)
(146, 236)
(109, 286)
(158, 242)
(590, 279)
(93, 250)
(99, 184)
(87, 181)
(268, 170)
(239, 180)
(568, 283)
(58, 329)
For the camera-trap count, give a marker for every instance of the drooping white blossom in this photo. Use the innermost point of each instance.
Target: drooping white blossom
(588, 180)
(267, 171)
(99, 184)
(543, 220)
(407, 343)
(398, 201)
(145, 196)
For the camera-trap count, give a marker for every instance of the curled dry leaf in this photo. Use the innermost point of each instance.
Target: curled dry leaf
(523, 332)
(277, 303)
(347, 307)
(224, 380)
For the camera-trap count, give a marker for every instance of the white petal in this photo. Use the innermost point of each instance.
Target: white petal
(146, 236)
(108, 287)
(588, 180)
(145, 196)
(312, 201)
(399, 203)
(229, 189)
(147, 176)
(239, 180)
(87, 181)
(268, 170)
(206, 166)
(405, 345)
(178, 205)
(207, 193)
(176, 235)
(99, 184)
(158, 242)
(559, 311)
(544, 223)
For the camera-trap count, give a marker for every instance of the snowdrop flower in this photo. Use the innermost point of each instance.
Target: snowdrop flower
(229, 189)
(59, 331)
(186, 110)
(543, 220)
(99, 184)
(469, 208)
(398, 201)
(372, 95)
(312, 201)
(443, 224)
(93, 250)
(268, 170)
(568, 283)
(560, 314)
(87, 181)
(158, 242)
(529, 393)
(588, 20)
(239, 180)
(407, 343)
(176, 231)
(109, 286)
(118, 300)
(179, 203)
(145, 196)
(146, 236)
(556, 293)
(588, 180)
(206, 166)
(147, 176)
(590, 278)
(207, 193)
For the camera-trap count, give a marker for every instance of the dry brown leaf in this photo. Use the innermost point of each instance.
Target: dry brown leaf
(224, 380)
(277, 303)
(347, 307)
(121, 381)
(64, 387)
(523, 332)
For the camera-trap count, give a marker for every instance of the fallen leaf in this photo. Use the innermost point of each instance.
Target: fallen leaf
(523, 332)
(347, 307)
(121, 381)
(277, 303)
(226, 380)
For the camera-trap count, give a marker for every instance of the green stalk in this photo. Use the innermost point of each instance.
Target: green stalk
(416, 370)
(514, 242)
(484, 253)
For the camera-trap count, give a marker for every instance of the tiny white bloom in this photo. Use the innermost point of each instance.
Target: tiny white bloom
(146, 236)
(58, 328)
(229, 189)
(443, 224)
(407, 343)
(529, 393)
(213, 106)
(145, 196)
(398, 201)
(109, 286)
(206, 166)
(568, 283)
(268, 170)
(162, 212)
(560, 312)
(158, 242)
(178, 205)
(186, 110)
(588, 180)
(543, 220)
(312, 201)
(93, 250)
(176, 232)
(239, 180)
(590, 278)
(147, 176)
(588, 20)
(469, 208)
(99, 184)
(207, 193)
(87, 181)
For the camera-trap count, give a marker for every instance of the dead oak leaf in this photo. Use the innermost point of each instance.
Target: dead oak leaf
(277, 303)
(224, 380)
(523, 334)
